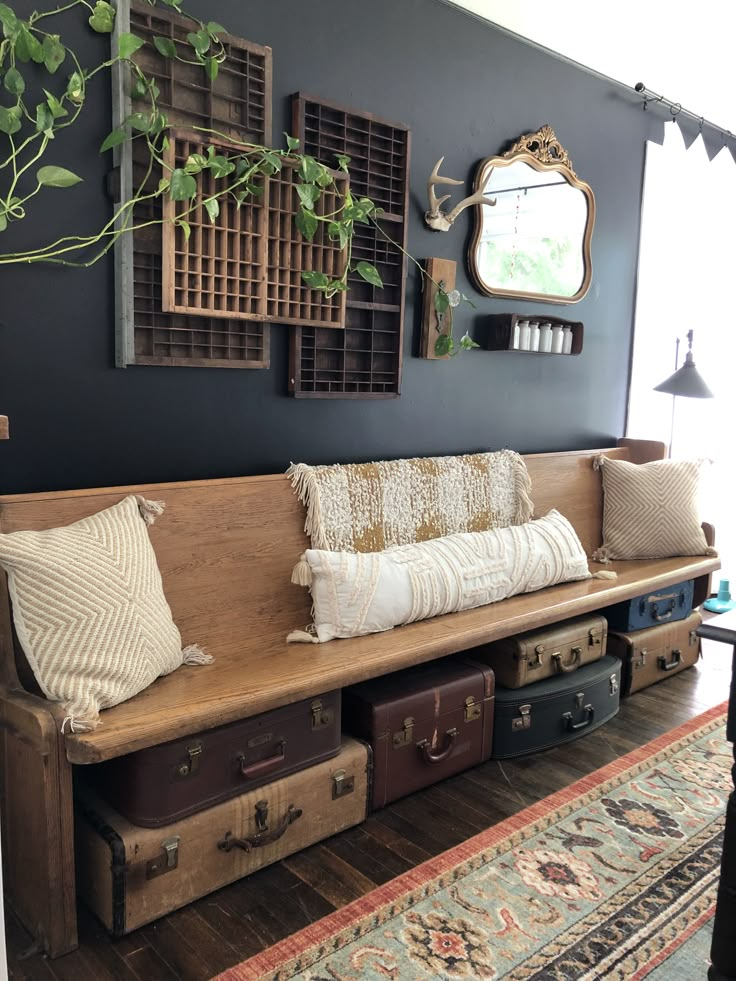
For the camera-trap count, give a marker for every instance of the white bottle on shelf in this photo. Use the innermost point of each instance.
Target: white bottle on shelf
(557, 339)
(515, 337)
(524, 335)
(567, 340)
(545, 337)
(534, 333)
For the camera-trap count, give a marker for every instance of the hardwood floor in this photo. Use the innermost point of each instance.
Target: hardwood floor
(225, 927)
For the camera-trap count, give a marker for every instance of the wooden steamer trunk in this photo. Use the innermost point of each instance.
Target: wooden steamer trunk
(162, 784)
(423, 724)
(663, 606)
(651, 655)
(129, 876)
(539, 654)
(556, 710)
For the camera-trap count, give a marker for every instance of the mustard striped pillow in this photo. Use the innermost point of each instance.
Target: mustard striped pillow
(650, 510)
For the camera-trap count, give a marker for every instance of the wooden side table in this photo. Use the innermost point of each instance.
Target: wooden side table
(723, 948)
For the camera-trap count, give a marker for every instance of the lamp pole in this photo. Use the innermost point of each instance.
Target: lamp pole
(672, 417)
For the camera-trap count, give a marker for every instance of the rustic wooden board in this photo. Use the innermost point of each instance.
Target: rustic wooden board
(443, 273)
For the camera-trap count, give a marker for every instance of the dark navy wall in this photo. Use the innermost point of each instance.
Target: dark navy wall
(466, 90)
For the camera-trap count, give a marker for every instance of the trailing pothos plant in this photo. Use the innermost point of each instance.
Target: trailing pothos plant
(33, 112)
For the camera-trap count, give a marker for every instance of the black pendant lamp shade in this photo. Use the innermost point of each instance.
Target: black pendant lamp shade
(686, 381)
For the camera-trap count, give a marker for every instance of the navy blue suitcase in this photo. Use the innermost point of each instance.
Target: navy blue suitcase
(661, 606)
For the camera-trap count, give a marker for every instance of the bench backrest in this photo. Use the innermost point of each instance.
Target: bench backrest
(226, 548)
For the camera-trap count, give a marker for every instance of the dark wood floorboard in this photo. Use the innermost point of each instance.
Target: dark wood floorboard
(221, 929)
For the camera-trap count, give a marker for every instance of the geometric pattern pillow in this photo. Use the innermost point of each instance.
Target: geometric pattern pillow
(90, 611)
(650, 510)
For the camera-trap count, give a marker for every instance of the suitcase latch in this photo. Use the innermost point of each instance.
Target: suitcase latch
(406, 736)
(190, 768)
(642, 661)
(342, 784)
(579, 699)
(538, 656)
(525, 722)
(593, 638)
(321, 716)
(166, 862)
(473, 711)
(614, 684)
(693, 638)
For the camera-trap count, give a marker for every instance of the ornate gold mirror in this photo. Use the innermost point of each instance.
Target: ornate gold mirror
(535, 243)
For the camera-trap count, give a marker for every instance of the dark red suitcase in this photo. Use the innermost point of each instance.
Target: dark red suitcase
(423, 724)
(165, 783)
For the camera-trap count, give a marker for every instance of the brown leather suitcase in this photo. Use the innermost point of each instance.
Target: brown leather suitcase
(423, 724)
(156, 786)
(655, 653)
(129, 875)
(539, 654)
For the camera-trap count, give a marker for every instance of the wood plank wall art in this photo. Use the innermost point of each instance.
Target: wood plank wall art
(238, 105)
(364, 360)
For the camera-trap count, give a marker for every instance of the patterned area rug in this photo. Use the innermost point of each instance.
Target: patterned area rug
(608, 878)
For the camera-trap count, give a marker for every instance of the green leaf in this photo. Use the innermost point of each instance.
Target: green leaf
(369, 273)
(163, 185)
(195, 163)
(211, 67)
(13, 82)
(309, 195)
(342, 161)
(272, 161)
(11, 24)
(443, 345)
(102, 18)
(441, 301)
(214, 28)
(467, 343)
(139, 121)
(309, 169)
(3, 222)
(355, 212)
(466, 299)
(200, 41)
(185, 227)
(183, 186)
(56, 177)
(219, 165)
(336, 230)
(57, 110)
(317, 280)
(9, 121)
(165, 46)
(212, 206)
(28, 47)
(115, 138)
(53, 52)
(306, 223)
(75, 89)
(44, 120)
(128, 44)
(292, 142)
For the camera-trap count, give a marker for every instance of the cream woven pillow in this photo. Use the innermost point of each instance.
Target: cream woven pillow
(650, 510)
(357, 593)
(90, 611)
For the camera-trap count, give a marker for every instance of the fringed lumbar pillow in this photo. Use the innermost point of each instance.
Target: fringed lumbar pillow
(362, 593)
(90, 610)
(650, 510)
(369, 507)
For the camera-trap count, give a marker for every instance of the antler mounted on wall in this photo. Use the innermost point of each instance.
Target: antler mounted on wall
(436, 218)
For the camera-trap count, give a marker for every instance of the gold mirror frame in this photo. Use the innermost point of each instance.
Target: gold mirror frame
(543, 152)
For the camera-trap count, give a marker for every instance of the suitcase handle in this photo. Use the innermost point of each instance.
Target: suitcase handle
(429, 757)
(262, 766)
(566, 668)
(674, 663)
(667, 614)
(264, 837)
(576, 726)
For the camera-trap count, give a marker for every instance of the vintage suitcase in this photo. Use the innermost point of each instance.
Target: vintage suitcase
(661, 606)
(556, 710)
(648, 656)
(539, 654)
(129, 875)
(156, 786)
(423, 723)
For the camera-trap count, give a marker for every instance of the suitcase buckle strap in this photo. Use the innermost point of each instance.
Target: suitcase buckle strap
(525, 720)
(473, 709)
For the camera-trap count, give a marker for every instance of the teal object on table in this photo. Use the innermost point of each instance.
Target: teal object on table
(721, 603)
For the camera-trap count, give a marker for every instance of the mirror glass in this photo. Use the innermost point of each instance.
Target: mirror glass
(535, 241)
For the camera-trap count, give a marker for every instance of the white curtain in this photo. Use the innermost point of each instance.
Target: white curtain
(687, 276)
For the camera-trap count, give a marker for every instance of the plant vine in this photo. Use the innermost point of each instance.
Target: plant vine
(30, 126)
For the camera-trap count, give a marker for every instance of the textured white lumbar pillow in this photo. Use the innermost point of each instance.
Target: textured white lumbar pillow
(362, 593)
(90, 610)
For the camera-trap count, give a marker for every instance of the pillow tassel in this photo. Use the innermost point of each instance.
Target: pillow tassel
(150, 510)
(79, 725)
(598, 461)
(193, 654)
(605, 574)
(302, 574)
(301, 637)
(602, 555)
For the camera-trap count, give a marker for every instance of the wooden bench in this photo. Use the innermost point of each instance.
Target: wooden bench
(226, 549)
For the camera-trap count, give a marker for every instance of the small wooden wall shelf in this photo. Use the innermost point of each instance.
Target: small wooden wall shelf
(500, 332)
(364, 360)
(442, 272)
